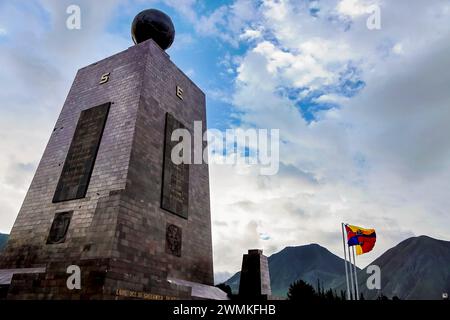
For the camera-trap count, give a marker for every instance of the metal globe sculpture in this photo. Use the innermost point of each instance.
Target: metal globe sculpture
(153, 24)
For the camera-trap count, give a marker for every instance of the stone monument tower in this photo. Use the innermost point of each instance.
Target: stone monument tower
(106, 196)
(255, 277)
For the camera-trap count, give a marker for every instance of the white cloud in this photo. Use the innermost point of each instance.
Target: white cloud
(251, 34)
(43, 66)
(381, 160)
(332, 98)
(231, 23)
(354, 8)
(398, 49)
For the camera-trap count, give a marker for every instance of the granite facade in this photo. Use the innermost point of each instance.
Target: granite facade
(117, 231)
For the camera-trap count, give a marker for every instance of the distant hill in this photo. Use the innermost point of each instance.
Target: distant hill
(3, 240)
(417, 269)
(309, 263)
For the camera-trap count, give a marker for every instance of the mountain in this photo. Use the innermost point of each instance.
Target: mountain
(3, 240)
(416, 269)
(309, 263)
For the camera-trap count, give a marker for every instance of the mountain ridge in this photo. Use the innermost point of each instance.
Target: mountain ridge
(416, 268)
(313, 262)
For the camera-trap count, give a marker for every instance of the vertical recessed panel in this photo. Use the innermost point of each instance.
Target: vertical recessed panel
(173, 240)
(175, 188)
(77, 170)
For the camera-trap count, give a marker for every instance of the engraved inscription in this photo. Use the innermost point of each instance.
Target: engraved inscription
(59, 228)
(175, 188)
(80, 160)
(173, 240)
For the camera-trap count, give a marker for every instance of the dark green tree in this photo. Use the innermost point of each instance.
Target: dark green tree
(301, 291)
(382, 297)
(331, 296)
(226, 288)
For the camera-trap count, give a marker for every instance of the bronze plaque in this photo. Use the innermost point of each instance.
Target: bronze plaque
(173, 240)
(59, 228)
(80, 160)
(175, 188)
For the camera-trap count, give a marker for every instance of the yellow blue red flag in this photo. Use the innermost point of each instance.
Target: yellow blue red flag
(363, 239)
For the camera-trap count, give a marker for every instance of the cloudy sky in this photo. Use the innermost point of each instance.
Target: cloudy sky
(363, 114)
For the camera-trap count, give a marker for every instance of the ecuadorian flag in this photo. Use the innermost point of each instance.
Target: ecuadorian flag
(363, 239)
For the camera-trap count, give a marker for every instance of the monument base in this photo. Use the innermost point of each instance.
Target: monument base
(101, 283)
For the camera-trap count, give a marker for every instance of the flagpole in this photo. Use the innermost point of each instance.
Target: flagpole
(356, 275)
(351, 273)
(345, 259)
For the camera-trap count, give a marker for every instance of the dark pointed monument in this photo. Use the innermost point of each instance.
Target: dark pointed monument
(255, 277)
(106, 196)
